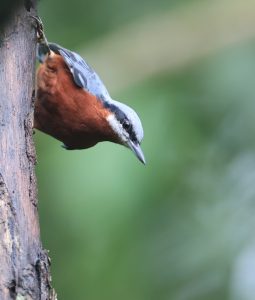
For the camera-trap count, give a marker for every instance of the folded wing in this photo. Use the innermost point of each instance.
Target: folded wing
(84, 76)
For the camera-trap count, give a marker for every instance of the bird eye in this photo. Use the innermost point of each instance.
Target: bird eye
(126, 125)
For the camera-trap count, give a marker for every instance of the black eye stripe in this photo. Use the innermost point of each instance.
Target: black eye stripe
(122, 118)
(126, 124)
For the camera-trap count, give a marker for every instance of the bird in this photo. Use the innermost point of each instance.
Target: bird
(73, 105)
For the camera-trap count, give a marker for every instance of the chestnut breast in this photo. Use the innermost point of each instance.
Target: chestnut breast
(66, 111)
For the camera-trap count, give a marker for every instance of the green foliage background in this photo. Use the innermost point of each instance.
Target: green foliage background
(180, 228)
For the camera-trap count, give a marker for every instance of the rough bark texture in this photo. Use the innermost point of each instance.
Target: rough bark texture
(24, 265)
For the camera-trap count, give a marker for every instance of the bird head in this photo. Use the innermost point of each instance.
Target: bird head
(127, 126)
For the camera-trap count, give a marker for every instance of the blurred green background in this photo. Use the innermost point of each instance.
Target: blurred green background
(181, 227)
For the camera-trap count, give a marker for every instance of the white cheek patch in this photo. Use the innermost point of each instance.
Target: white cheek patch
(117, 128)
(133, 118)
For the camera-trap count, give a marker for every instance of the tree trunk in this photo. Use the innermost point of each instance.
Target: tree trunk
(24, 265)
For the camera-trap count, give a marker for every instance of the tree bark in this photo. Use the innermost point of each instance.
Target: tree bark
(24, 265)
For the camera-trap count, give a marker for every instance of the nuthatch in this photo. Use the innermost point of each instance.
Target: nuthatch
(74, 106)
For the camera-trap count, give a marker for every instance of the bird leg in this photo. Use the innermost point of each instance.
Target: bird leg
(43, 48)
(41, 38)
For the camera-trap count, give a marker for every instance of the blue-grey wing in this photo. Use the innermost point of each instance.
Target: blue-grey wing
(84, 76)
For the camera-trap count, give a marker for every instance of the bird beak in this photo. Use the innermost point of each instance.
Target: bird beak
(136, 148)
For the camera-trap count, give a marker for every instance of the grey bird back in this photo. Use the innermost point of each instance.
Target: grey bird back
(84, 76)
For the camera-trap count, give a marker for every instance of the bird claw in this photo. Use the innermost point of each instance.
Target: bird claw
(39, 28)
(41, 38)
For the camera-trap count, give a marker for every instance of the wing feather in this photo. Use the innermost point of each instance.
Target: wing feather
(84, 76)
